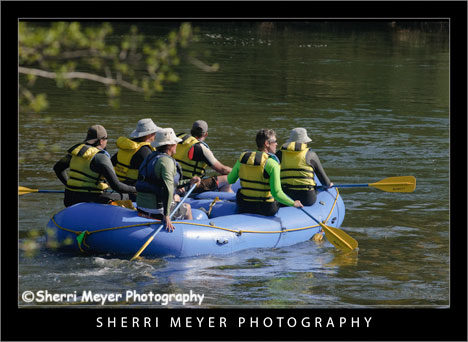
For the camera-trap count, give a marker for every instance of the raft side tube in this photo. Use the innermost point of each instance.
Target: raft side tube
(229, 234)
(118, 230)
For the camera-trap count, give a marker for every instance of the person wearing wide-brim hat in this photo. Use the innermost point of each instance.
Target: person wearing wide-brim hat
(133, 150)
(158, 177)
(299, 166)
(90, 171)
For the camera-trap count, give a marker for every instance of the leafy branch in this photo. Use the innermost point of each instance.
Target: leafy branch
(70, 53)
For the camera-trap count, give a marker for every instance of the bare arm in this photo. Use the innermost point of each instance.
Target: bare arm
(202, 153)
(221, 168)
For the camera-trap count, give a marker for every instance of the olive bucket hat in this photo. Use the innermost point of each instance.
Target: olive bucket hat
(299, 135)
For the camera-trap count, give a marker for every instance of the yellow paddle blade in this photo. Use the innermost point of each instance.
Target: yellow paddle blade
(339, 238)
(23, 190)
(123, 203)
(336, 236)
(396, 184)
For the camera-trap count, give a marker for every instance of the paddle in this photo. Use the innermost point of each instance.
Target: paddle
(23, 190)
(391, 184)
(137, 254)
(336, 236)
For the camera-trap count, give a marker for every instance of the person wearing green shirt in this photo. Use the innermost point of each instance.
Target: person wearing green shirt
(259, 174)
(158, 176)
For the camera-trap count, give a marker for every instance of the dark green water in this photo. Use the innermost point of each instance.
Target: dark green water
(375, 101)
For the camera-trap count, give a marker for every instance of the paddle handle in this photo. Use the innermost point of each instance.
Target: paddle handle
(313, 218)
(137, 254)
(23, 190)
(363, 185)
(183, 200)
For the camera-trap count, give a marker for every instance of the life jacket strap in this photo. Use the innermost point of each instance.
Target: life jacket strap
(296, 177)
(301, 170)
(255, 198)
(84, 174)
(297, 187)
(255, 182)
(257, 159)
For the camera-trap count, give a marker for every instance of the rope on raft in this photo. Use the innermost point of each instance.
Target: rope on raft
(81, 235)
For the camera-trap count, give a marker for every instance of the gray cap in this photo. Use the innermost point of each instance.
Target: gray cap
(200, 127)
(144, 127)
(299, 135)
(95, 133)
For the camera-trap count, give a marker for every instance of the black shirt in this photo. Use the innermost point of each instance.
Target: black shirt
(137, 158)
(101, 164)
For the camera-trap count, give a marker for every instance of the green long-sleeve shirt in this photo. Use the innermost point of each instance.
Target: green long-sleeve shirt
(165, 170)
(273, 169)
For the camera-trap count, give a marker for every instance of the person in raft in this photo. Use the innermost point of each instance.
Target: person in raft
(299, 164)
(90, 168)
(158, 176)
(194, 155)
(259, 174)
(132, 151)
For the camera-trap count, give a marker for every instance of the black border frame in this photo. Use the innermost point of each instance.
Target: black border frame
(387, 324)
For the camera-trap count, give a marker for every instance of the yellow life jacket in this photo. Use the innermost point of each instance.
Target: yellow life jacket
(255, 187)
(296, 174)
(127, 149)
(190, 168)
(81, 178)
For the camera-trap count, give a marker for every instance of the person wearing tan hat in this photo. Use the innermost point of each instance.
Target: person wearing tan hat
(299, 165)
(133, 150)
(90, 171)
(259, 173)
(194, 155)
(158, 177)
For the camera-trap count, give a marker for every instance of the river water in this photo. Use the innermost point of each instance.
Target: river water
(375, 101)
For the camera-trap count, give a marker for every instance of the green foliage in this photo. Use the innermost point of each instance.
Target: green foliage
(72, 52)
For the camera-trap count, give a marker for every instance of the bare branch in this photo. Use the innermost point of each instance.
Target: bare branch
(80, 54)
(81, 75)
(205, 67)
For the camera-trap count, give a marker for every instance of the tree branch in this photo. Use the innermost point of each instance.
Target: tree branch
(81, 75)
(205, 67)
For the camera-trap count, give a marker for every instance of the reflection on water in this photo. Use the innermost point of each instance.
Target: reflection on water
(344, 259)
(375, 102)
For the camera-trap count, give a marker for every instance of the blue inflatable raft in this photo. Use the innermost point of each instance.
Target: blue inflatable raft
(110, 229)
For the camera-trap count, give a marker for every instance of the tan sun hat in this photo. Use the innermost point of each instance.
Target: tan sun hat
(144, 127)
(165, 136)
(299, 135)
